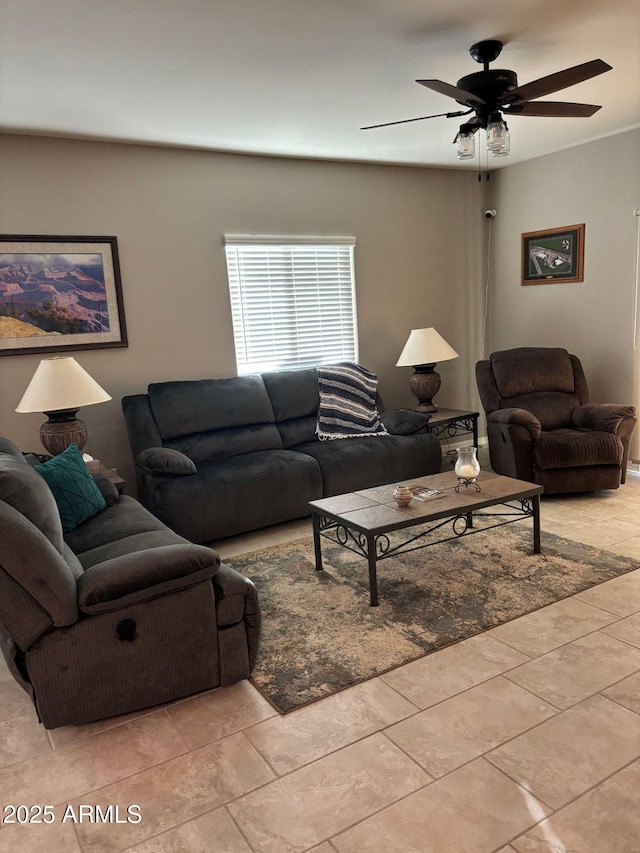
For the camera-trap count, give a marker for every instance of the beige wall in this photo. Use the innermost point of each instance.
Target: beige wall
(418, 237)
(598, 184)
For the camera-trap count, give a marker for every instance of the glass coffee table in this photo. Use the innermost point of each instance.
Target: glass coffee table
(364, 521)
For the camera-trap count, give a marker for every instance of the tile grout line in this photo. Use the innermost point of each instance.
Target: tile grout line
(566, 642)
(350, 826)
(156, 766)
(239, 828)
(485, 754)
(555, 812)
(83, 741)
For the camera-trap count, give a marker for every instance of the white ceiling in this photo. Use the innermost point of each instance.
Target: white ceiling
(299, 77)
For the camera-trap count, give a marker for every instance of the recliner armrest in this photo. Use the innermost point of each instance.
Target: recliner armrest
(404, 421)
(142, 575)
(606, 417)
(237, 601)
(165, 462)
(520, 417)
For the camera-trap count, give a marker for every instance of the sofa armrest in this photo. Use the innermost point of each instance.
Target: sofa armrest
(142, 575)
(517, 417)
(237, 601)
(609, 417)
(108, 491)
(404, 421)
(606, 417)
(165, 462)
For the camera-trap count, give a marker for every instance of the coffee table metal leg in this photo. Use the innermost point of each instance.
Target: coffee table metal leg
(469, 520)
(316, 541)
(536, 524)
(373, 576)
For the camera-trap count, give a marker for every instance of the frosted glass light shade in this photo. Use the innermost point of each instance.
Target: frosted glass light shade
(60, 383)
(425, 346)
(497, 135)
(506, 145)
(466, 143)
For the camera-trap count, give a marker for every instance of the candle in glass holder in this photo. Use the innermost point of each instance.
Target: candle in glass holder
(466, 472)
(467, 466)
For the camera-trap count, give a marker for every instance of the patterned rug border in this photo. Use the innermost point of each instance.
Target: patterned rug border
(280, 669)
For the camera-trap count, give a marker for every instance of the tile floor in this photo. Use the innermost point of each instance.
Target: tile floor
(525, 738)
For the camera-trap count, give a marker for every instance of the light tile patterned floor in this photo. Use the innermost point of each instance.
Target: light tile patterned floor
(525, 738)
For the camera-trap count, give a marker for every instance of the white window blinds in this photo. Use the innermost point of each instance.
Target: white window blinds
(293, 302)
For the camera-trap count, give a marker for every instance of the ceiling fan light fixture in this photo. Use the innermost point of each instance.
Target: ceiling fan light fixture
(506, 145)
(486, 93)
(466, 143)
(497, 134)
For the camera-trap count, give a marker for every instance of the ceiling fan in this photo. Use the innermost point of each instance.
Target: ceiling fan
(492, 93)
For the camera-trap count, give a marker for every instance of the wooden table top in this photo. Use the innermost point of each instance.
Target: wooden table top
(374, 510)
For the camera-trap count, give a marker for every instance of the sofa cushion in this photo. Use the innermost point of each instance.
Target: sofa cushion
(126, 518)
(143, 541)
(359, 463)
(527, 370)
(298, 430)
(196, 406)
(73, 487)
(295, 399)
(232, 441)
(577, 448)
(31, 560)
(293, 393)
(231, 495)
(25, 490)
(553, 409)
(7, 446)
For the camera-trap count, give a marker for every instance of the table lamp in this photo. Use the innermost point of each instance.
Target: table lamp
(59, 387)
(422, 350)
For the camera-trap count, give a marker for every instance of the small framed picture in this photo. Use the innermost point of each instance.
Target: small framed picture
(554, 255)
(59, 293)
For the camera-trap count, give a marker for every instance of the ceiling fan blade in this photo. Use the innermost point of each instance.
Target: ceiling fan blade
(420, 118)
(561, 109)
(451, 91)
(557, 81)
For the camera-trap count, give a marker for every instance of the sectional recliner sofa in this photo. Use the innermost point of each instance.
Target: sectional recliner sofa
(116, 615)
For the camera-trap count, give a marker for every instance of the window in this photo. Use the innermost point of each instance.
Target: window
(292, 301)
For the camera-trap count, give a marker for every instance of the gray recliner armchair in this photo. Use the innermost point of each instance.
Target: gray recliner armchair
(120, 614)
(543, 429)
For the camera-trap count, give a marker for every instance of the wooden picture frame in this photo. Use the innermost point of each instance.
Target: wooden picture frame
(553, 256)
(59, 293)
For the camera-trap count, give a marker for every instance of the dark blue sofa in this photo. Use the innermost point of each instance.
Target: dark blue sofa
(217, 457)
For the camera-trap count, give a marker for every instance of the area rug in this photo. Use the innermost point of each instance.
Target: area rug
(320, 635)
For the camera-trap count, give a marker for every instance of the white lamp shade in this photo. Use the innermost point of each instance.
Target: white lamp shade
(425, 346)
(60, 383)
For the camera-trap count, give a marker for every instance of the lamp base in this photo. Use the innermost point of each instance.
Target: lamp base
(425, 384)
(61, 430)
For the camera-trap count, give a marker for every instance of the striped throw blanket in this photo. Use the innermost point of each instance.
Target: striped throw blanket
(347, 402)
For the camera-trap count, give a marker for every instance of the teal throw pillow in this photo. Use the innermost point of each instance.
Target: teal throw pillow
(73, 487)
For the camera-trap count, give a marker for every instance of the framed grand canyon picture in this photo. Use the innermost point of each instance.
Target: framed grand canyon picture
(554, 255)
(59, 293)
